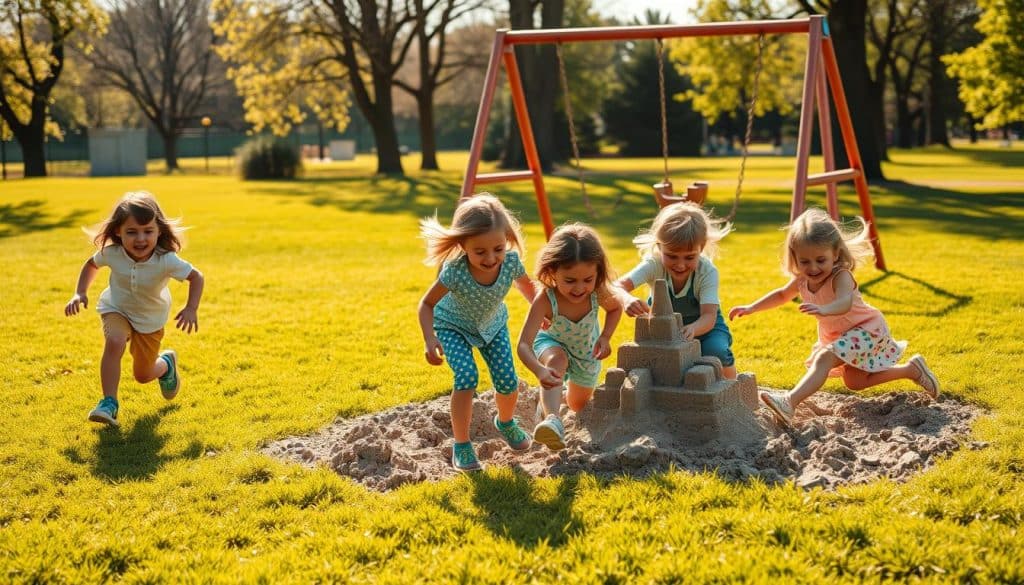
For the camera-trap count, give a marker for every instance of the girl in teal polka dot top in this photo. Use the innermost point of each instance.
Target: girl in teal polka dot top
(465, 308)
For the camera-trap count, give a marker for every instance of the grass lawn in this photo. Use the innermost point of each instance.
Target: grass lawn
(309, 314)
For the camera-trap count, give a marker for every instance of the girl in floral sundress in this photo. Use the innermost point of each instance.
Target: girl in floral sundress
(853, 337)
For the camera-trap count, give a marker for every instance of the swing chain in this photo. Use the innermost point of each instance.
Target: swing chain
(572, 129)
(750, 126)
(664, 117)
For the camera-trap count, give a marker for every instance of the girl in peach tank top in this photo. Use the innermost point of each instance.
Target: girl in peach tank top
(853, 337)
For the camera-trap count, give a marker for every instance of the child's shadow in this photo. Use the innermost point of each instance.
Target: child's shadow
(135, 455)
(511, 508)
(895, 293)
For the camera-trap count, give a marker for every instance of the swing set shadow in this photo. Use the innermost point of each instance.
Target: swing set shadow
(950, 301)
(821, 81)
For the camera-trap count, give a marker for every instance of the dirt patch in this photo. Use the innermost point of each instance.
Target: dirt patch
(835, 440)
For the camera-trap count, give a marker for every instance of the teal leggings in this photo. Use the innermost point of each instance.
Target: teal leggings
(497, 354)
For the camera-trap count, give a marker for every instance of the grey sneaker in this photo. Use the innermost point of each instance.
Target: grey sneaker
(170, 381)
(551, 433)
(926, 379)
(464, 458)
(777, 403)
(105, 412)
(513, 435)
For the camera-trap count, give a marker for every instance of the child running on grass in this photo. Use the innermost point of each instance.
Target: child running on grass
(573, 268)
(679, 248)
(853, 337)
(140, 246)
(465, 308)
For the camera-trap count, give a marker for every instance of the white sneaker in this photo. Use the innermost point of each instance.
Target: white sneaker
(551, 433)
(777, 403)
(926, 379)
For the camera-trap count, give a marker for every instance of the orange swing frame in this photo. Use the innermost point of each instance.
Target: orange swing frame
(821, 58)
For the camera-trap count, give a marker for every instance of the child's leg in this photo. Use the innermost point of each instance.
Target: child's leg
(498, 357)
(859, 379)
(578, 396)
(116, 332)
(814, 378)
(551, 398)
(718, 343)
(147, 365)
(459, 356)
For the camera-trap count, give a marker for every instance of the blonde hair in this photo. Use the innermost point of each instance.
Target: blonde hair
(142, 206)
(814, 227)
(683, 225)
(474, 216)
(571, 244)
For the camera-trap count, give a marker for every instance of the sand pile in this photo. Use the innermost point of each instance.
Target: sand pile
(835, 440)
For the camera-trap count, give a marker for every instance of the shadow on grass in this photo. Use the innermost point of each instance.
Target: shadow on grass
(29, 216)
(135, 455)
(512, 509)
(931, 301)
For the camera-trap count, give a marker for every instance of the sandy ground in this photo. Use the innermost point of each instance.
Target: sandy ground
(835, 440)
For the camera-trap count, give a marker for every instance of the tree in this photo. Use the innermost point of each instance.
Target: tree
(847, 25)
(991, 74)
(319, 53)
(722, 69)
(160, 53)
(633, 110)
(433, 22)
(33, 40)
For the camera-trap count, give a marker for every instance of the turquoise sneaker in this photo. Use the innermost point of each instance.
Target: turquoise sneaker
(513, 435)
(464, 458)
(551, 433)
(170, 381)
(105, 412)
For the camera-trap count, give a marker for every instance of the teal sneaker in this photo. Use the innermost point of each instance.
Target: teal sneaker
(464, 458)
(551, 433)
(105, 412)
(170, 381)
(513, 435)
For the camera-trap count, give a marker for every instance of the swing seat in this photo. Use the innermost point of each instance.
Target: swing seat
(664, 193)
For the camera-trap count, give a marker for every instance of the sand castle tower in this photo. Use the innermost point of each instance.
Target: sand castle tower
(658, 371)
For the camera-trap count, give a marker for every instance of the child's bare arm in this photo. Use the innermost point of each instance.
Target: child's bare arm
(434, 353)
(775, 298)
(703, 324)
(81, 296)
(540, 311)
(632, 306)
(526, 286)
(188, 317)
(613, 314)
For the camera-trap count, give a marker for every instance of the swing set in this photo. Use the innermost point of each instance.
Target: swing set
(821, 78)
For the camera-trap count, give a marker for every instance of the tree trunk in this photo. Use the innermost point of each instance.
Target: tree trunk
(33, 150)
(428, 139)
(170, 152)
(846, 22)
(538, 68)
(380, 114)
(939, 86)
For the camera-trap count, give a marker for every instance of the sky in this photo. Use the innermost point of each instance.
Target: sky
(678, 10)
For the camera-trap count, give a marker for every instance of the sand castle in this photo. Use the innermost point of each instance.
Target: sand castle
(661, 373)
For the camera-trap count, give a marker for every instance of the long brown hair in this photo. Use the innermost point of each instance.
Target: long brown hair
(571, 244)
(142, 206)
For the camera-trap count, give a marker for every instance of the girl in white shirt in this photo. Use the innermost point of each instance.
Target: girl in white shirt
(140, 246)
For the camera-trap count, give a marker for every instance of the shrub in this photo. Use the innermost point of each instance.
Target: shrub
(269, 157)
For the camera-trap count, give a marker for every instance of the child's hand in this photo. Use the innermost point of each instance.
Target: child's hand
(188, 320)
(636, 307)
(72, 307)
(549, 378)
(434, 352)
(602, 349)
(687, 332)
(740, 311)
(545, 324)
(811, 309)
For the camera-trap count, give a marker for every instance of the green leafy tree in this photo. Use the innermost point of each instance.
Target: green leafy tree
(33, 42)
(991, 74)
(722, 69)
